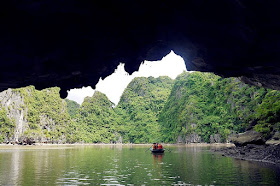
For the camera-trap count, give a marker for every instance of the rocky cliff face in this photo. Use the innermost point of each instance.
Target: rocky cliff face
(196, 107)
(39, 116)
(203, 107)
(140, 106)
(14, 105)
(193, 138)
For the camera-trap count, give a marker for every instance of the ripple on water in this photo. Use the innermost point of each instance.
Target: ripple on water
(149, 174)
(74, 178)
(110, 180)
(185, 169)
(74, 181)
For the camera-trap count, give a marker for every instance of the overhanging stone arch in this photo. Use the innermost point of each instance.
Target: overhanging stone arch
(73, 43)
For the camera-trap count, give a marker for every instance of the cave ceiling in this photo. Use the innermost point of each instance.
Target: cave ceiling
(72, 44)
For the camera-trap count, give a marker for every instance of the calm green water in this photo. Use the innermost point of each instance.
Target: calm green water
(123, 165)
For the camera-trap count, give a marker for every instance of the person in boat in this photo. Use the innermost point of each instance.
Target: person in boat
(154, 146)
(159, 146)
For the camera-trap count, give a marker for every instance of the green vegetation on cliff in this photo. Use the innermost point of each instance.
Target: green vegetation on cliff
(72, 108)
(140, 106)
(97, 121)
(268, 113)
(7, 126)
(208, 104)
(201, 105)
(47, 116)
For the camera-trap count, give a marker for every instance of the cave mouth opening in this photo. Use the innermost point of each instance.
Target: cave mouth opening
(113, 85)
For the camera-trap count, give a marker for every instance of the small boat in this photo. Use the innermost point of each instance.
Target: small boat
(157, 148)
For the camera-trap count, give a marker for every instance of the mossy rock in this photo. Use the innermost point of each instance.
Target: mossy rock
(248, 137)
(276, 136)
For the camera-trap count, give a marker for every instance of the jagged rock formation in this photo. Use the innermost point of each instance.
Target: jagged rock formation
(252, 152)
(196, 107)
(193, 138)
(248, 137)
(72, 43)
(16, 110)
(275, 140)
(39, 116)
(203, 107)
(216, 138)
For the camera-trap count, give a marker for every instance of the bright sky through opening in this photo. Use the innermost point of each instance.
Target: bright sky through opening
(113, 86)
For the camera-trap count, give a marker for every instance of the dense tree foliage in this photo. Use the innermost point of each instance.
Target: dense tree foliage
(268, 114)
(47, 115)
(7, 126)
(150, 110)
(208, 104)
(140, 106)
(97, 121)
(72, 108)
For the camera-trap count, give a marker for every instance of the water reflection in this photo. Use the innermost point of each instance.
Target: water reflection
(157, 158)
(105, 165)
(15, 168)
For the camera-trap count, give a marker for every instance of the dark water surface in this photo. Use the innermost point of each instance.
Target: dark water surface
(124, 165)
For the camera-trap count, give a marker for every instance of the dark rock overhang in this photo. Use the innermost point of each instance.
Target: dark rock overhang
(72, 44)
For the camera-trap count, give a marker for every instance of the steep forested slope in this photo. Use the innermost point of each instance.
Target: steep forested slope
(211, 107)
(72, 108)
(140, 106)
(97, 121)
(38, 115)
(267, 114)
(7, 126)
(196, 107)
(43, 116)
